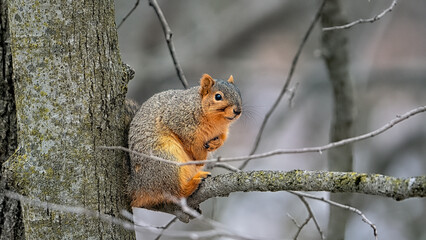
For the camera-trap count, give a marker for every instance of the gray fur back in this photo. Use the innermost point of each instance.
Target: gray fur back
(167, 108)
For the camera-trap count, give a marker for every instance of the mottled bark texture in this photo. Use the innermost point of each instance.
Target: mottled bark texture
(299, 180)
(70, 87)
(11, 226)
(335, 54)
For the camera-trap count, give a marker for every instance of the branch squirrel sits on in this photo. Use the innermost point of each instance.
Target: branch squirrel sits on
(181, 126)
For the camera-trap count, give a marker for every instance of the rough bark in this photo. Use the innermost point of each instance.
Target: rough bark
(70, 87)
(300, 180)
(11, 226)
(335, 54)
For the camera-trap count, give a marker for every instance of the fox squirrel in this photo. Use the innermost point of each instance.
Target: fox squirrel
(181, 126)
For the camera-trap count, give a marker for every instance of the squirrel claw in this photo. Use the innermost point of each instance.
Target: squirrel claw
(202, 174)
(213, 144)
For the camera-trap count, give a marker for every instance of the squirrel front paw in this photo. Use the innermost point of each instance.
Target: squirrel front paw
(201, 175)
(213, 144)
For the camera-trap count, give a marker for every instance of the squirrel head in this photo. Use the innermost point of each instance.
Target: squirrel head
(220, 98)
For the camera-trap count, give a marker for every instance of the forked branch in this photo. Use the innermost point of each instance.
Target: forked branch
(359, 21)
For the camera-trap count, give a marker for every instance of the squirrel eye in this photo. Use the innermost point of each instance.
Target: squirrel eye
(218, 97)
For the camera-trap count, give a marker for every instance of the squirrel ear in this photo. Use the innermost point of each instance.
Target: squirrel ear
(231, 79)
(206, 83)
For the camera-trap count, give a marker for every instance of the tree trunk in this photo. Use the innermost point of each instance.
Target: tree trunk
(70, 87)
(11, 226)
(335, 55)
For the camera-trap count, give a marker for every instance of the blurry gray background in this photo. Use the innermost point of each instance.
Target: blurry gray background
(255, 41)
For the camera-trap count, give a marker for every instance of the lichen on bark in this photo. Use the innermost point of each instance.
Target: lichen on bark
(11, 226)
(300, 180)
(70, 94)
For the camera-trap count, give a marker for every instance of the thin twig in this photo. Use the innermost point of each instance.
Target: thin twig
(226, 232)
(314, 219)
(70, 209)
(226, 166)
(292, 94)
(286, 84)
(129, 13)
(336, 204)
(293, 220)
(140, 154)
(311, 214)
(359, 21)
(118, 221)
(320, 149)
(165, 227)
(300, 227)
(168, 34)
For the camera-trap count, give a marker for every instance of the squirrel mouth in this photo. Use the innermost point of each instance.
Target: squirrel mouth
(232, 118)
(236, 115)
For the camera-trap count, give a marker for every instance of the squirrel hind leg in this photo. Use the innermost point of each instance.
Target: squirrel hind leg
(188, 186)
(149, 200)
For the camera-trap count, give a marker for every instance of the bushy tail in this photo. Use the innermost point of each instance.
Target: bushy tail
(131, 108)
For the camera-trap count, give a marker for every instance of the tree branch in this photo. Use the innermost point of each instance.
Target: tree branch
(311, 215)
(165, 228)
(168, 34)
(359, 21)
(339, 205)
(299, 180)
(217, 231)
(128, 14)
(319, 149)
(286, 84)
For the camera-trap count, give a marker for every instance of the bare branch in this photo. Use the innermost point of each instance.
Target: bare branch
(141, 154)
(310, 215)
(225, 166)
(359, 21)
(128, 14)
(168, 35)
(70, 209)
(121, 222)
(298, 180)
(319, 149)
(300, 227)
(165, 227)
(286, 84)
(292, 93)
(352, 209)
(293, 220)
(221, 229)
(223, 185)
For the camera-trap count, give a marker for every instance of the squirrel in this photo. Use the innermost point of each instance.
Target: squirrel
(180, 126)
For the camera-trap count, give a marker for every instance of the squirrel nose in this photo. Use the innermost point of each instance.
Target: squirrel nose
(237, 112)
